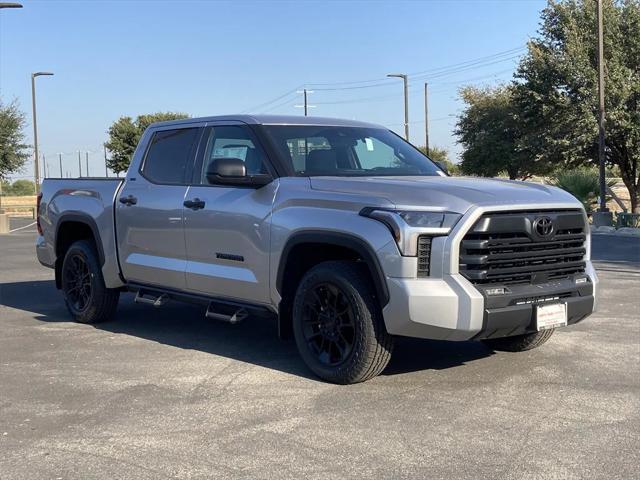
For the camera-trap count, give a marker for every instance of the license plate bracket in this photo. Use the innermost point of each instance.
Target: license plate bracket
(552, 315)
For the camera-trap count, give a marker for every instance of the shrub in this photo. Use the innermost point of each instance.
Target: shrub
(583, 183)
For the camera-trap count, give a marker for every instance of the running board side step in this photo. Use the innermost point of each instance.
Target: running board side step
(236, 317)
(158, 301)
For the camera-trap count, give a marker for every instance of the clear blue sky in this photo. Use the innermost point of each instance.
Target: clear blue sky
(114, 58)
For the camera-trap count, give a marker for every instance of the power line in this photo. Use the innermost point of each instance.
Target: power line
(440, 74)
(290, 101)
(432, 73)
(414, 88)
(432, 70)
(505, 53)
(288, 93)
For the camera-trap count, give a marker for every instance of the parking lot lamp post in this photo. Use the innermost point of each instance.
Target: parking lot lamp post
(35, 127)
(6, 5)
(406, 101)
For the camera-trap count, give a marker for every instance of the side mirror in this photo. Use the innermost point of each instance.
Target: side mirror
(225, 168)
(232, 171)
(442, 167)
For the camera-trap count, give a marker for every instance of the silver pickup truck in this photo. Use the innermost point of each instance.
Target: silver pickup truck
(341, 230)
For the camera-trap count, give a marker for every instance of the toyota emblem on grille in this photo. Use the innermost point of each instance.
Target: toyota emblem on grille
(543, 226)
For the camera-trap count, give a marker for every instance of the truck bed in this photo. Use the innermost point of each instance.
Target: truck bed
(90, 200)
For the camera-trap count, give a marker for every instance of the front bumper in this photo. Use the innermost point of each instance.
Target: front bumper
(451, 308)
(447, 306)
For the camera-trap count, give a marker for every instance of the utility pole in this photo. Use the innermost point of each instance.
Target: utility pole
(60, 161)
(106, 169)
(601, 117)
(87, 160)
(426, 117)
(79, 164)
(36, 166)
(405, 81)
(305, 105)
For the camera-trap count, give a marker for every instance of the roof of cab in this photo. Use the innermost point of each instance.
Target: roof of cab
(274, 120)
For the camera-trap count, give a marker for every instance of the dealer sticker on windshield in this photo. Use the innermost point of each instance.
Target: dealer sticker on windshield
(551, 316)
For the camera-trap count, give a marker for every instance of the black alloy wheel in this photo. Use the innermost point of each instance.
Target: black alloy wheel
(85, 293)
(328, 324)
(77, 283)
(338, 324)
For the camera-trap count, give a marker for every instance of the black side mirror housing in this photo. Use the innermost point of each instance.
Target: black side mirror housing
(442, 167)
(232, 171)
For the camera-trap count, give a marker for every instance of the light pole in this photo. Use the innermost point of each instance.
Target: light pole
(6, 5)
(406, 101)
(35, 125)
(426, 117)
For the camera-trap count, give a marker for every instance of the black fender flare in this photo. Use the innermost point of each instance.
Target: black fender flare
(360, 246)
(86, 220)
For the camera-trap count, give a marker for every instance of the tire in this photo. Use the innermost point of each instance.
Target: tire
(519, 343)
(338, 325)
(86, 297)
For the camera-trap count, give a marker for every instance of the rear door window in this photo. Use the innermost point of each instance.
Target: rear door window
(170, 155)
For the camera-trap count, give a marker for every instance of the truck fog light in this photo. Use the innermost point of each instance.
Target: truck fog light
(495, 291)
(581, 280)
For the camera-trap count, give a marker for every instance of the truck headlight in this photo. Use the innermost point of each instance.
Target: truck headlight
(407, 225)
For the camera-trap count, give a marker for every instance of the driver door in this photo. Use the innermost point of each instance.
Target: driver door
(227, 227)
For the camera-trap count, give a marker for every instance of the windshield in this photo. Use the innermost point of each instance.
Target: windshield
(313, 150)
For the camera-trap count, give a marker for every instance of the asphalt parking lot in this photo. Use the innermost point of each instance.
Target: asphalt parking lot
(165, 393)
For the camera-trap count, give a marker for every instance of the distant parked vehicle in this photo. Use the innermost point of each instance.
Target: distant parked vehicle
(342, 230)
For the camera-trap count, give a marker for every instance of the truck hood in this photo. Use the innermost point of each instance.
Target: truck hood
(454, 194)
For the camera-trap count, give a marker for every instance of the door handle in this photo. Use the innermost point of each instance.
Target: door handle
(195, 204)
(128, 200)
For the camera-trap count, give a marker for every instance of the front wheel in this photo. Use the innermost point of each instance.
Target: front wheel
(338, 324)
(519, 343)
(86, 296)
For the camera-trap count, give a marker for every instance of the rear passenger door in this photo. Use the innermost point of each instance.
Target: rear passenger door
(149, 216)
(228, 232)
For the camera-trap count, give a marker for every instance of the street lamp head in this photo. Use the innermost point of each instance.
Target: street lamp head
(38, 74)
(397, 75)
(10, 5)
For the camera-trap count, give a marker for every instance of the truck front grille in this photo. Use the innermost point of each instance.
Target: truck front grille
(516, 247)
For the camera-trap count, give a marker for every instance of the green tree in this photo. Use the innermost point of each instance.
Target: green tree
(23, 187)
(489, 129)
(557, 87)
(5, 187)
(441, 155)
(18, 188)
(13, 149)
(125, 133)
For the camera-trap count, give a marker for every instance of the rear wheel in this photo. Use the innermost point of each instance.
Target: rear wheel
(519, 343)
(86, 296)
(338, 324)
